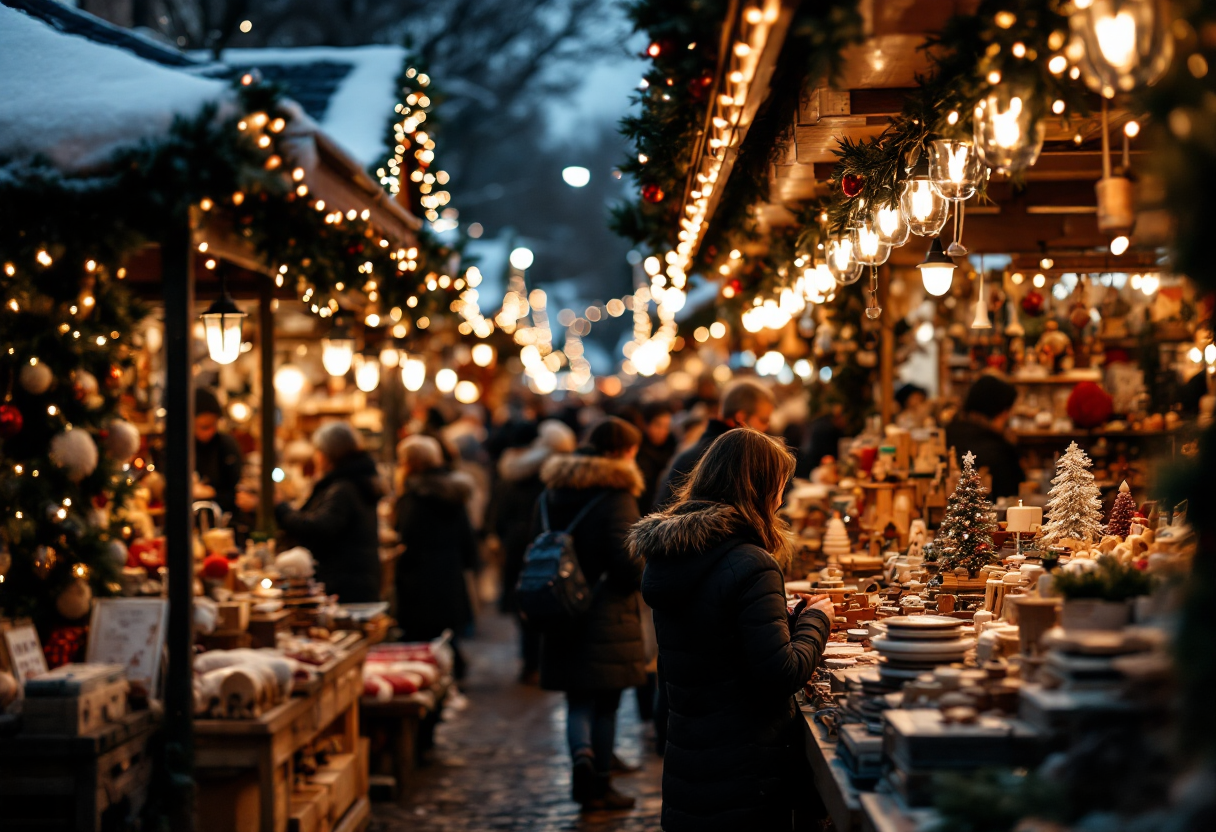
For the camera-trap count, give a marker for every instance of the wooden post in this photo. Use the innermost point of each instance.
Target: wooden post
(177, 272)
(266, 335)
(886, 359)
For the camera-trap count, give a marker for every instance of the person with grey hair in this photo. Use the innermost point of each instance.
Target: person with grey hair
(338, 521)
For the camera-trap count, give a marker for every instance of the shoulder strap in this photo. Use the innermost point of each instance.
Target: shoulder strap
(585, 511)
(544, 510)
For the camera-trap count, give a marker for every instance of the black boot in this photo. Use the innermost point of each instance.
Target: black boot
(606, 798)
(584, 779)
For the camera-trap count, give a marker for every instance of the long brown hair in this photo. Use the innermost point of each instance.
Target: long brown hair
(747, 470)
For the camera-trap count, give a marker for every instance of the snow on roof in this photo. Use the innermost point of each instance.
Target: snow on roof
(75, 101)
(349, 91)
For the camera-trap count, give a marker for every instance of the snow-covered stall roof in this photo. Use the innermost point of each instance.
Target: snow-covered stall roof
(75, 101)
(350, 92)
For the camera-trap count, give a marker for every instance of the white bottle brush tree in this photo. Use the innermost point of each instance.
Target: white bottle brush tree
(964, 539)
(1074, 505)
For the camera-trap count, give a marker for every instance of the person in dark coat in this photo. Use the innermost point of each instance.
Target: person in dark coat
(217, 458)
(515, 496)
(433, 525)
(733, 654)
(746, 403)
(657, 449)
(338, 522)
(980, 428)
(595, 658)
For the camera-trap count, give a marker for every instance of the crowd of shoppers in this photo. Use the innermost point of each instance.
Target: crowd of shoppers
(671, 511)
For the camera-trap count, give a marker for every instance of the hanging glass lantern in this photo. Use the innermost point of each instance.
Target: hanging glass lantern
(937, 272)
(888, 220)
(819, 284)
(868, 245)
(413, 373)
(367, 371)
(1121, 45)
(954, 168)
(1008, 129)
(338, 350)
(222, 326)
(842, 260)
(924, 209)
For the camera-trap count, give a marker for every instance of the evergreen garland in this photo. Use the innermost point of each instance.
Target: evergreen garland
(965, 538)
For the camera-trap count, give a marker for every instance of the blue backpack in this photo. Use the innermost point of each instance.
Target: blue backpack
(552, 589)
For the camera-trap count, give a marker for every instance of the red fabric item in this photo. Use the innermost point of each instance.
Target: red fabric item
(216, 567)
(1089, 405)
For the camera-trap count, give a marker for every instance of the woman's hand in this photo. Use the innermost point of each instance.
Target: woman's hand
(823, 603)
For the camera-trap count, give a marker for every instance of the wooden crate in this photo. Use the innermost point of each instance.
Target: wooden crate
(76, 715)
(266, 745)
(340, 778)
(310, 809)
(53, 783)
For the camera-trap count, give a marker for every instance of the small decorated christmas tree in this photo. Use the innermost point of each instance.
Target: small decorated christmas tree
(1122, 512)
(836, 539)
(1074, 505)
(964, 539)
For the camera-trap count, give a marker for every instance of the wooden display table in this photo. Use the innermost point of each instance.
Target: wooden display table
(401, 730)
(50, 782)
(831, 777)
(224, 748)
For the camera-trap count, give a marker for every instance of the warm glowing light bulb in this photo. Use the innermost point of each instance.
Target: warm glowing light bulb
(337, 354)
(483, 355)
(467, 392)
(367, 373)
(1119, 245)
(390, 357)
(289, 383)
(1117, 39)
(413, 374)
(445, 380)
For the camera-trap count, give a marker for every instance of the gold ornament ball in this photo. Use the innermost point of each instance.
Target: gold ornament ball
(76, 601)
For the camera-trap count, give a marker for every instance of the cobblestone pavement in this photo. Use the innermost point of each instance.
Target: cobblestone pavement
(502, 764)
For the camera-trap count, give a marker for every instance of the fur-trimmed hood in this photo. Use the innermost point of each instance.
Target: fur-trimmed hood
(449, 486)
(579, 472)
(684, 531)
(517, 464)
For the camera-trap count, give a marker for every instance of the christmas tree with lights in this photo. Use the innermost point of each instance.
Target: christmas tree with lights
(63, 446)
(1074, 504)
(964, 539)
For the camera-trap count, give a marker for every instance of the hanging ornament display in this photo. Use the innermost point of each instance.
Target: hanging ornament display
(122, 440)
(652, 193)
(76, 600)
(84, 384)
(842, 260)
(11, 421)
(115, 554)
(1116, 201)
(75, 452)
(873, 310)
(36, 377)
(1033, 304)
(44, 561)
(851, 184)
(1008, 128)
(981, 320)
(1121, 45)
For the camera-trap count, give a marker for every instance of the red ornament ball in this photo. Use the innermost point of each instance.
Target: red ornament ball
(851, 184)
(11, 421)
(1089, 405)
(216, 567)
(1032, 304)
(652, 193)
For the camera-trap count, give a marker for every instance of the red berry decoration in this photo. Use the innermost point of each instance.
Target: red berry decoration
(652, 193)
(11, 421)
(851, 184)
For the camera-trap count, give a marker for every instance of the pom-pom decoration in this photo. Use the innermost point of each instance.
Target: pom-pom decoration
(1089, 405)
(36, 377)
(75, 452)
(121, 440)
(11, 421)
(215, 567)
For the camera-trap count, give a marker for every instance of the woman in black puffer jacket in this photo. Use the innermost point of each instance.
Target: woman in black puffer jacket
(600, 655)
(338, 523)
(733, 655)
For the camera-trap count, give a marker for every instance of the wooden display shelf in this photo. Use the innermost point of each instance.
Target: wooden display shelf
(832, 780)
(50, 782)
(329, 705)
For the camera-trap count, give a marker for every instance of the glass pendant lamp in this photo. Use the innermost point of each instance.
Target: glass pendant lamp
(338, 350)
(842, 260)
(924, 209)
(367, 370)
(222, 325)
(1121, 45)
(413, 373)
(888, 220)
(1008, 131)
(868, 245)
(954, 168)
